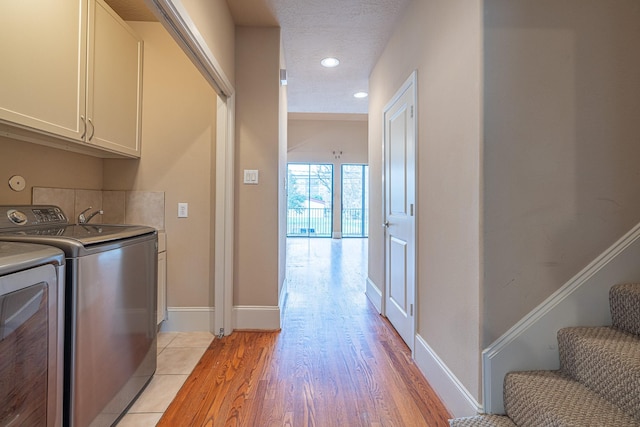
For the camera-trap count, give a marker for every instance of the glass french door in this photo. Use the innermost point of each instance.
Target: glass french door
(355, 200)
(309, 200)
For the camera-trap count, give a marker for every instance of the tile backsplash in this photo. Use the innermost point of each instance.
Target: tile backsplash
(145, 207)
(120, 207)
(65, 198)
(114, 207)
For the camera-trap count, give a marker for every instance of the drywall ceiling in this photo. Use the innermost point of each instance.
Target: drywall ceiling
(354, 31)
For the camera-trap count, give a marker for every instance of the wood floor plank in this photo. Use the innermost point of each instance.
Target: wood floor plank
(336, 362)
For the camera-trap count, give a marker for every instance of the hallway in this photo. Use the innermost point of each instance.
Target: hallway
(336, 362)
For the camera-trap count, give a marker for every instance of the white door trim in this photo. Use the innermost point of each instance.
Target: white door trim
(223, 229)
(410, 84)
(174, 17)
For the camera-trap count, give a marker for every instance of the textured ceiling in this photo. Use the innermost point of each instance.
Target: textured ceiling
(354, 31)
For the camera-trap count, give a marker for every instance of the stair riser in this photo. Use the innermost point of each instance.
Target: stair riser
(624, 303)
(551, 398)
(605, 360)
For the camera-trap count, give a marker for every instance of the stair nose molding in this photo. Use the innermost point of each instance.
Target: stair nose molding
(531, 344)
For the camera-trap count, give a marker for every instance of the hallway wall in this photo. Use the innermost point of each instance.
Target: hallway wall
(215, 23)
(561, 171)
(258, 266)
(441, 40)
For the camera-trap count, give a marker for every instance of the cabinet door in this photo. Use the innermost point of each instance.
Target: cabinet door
(114, 77)
(42, 63)
(162, 287)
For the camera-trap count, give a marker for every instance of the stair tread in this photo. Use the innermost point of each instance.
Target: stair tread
(552, 398)
(624, 303)
(605, 359)
(482, 421)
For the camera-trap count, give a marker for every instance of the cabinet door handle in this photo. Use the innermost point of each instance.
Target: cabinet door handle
(84, 127)
(93, 129)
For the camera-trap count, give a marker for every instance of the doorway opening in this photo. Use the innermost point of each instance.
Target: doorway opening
(355, 200)
(309, 200)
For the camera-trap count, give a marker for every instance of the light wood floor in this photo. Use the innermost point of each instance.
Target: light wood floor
(336, 362)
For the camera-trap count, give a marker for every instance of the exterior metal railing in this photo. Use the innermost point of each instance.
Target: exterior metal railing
(314, 222)
(355, 222)
(317, 222)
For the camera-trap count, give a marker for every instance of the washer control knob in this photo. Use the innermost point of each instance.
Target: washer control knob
(17, 217)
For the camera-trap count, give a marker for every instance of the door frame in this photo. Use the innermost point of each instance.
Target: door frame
(224, 218)
(410, 84)
(175, 19)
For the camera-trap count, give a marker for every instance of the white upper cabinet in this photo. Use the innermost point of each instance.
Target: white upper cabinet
(42, 66)
(114, 82)
(70, 71)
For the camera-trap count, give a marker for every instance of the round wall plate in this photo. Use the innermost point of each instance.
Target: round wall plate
(17, 183)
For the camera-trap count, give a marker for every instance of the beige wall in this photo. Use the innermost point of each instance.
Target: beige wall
(314, 137)
(441, 40)
(562, 101)
(215, 24)
(257, 264)
(44, 167)
(178, 149)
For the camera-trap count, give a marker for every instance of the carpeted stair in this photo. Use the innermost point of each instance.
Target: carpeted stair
(598, 383)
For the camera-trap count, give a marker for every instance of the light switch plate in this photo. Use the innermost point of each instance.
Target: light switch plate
(183, 210)
(251, 176)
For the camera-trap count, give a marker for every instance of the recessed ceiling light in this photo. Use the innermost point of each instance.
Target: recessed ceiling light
(330, 62)
(360, 95)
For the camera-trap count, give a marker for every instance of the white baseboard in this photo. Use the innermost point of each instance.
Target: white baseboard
(192, 319)
(188, 319)
(374, 294)
(453, 394)
(253, 317)
(336, 235)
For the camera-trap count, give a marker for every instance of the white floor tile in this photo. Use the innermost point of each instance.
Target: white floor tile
(192, 339)
(159, 393)
(165, 338)
(178, 360)
(140, 420)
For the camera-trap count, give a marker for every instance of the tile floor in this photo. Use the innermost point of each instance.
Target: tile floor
(178, 354)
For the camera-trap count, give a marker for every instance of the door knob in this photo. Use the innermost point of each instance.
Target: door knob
(386, 224)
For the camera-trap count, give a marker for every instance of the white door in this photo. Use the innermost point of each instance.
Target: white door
(399, 210)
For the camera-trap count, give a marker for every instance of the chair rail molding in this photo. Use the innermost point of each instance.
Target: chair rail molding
(531, 344)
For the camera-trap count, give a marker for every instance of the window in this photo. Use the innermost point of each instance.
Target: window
(309, 200)
(355, 200)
